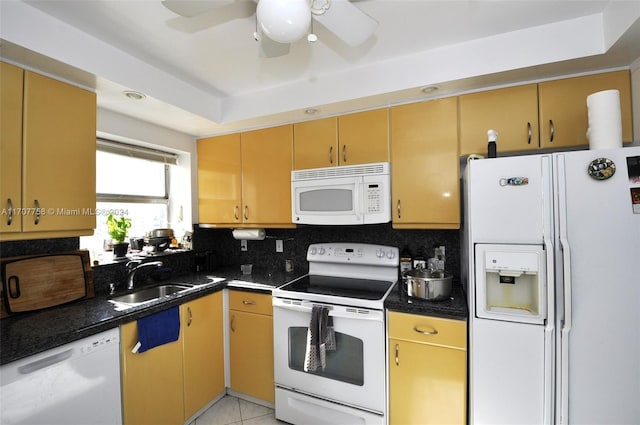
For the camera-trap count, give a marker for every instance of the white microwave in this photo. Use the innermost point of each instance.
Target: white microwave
(345, 195)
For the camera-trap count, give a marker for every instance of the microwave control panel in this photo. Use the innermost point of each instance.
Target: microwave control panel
(374, 198)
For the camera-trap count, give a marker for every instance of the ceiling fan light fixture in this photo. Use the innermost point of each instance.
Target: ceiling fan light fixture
(284, 21)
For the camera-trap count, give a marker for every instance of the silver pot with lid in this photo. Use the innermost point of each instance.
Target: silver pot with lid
(428, 284)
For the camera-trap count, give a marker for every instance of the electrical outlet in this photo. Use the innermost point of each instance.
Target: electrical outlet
(243, 245)
(279, 245)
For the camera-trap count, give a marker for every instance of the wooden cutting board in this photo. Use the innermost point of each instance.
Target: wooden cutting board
(37, 282)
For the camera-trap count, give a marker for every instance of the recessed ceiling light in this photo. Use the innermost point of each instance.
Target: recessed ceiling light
(429, 89)
(135, 95)
(311, 111)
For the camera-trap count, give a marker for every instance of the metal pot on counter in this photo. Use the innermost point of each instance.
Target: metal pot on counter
(427, 284)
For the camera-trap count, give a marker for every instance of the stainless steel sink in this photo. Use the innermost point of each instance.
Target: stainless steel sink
(148, 294)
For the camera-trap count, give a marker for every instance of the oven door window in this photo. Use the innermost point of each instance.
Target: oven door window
(345, 364)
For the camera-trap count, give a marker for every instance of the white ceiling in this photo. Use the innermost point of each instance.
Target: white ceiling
(204, 75)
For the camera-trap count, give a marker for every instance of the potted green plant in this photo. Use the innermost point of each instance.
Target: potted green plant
(118, 229)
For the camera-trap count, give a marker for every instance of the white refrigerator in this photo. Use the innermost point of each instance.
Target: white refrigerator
(552, 261)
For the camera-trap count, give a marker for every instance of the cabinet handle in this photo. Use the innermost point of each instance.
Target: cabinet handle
(233, 317)
(330, 154)
(529, 133)
(246, 212)
(10, 207)
(236, 211)
(552, 130)
(398, 208)
(36, 204)
(423, 332)
(248, 302)
(344, 153)
(190, 316)
(397, 354)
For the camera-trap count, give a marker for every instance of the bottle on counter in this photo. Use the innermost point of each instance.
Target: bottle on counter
(406, 263)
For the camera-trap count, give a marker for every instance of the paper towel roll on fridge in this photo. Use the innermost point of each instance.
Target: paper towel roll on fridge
(605, 120)
(249, 234)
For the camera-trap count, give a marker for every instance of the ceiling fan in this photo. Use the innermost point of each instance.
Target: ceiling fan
(282, 22)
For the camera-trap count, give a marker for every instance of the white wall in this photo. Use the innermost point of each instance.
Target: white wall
(114, 126)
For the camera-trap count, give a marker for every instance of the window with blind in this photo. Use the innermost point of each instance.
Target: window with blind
(134, 182)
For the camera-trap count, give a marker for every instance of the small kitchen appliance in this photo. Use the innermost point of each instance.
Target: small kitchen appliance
(343, 297)
(344, 195)
(551, 246)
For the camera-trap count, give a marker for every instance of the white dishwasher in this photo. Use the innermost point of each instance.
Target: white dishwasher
(77, 383)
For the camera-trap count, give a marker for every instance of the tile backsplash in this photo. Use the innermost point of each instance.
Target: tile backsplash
(224, 251)
(262, 254)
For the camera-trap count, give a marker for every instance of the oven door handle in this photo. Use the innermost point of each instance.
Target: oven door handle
(356, 314)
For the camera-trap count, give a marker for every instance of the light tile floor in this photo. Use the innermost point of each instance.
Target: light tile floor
(235, 411)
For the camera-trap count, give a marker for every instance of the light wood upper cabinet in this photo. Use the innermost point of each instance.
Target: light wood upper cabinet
(427, 370)
(563, 107)
(315, 143)
(56, 169)
(425, 165)
(11, 80)
(363, 137)
(244, 179)
(267, 161)
(219, 179)
(512, 112)
(251, 344)
(203, 352)
(358, 138)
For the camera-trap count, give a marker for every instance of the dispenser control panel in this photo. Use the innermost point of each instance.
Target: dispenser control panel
(512, 261)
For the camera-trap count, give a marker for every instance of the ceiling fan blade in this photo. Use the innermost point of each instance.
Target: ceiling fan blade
(191, 8)
(272, 49)
(348, 22)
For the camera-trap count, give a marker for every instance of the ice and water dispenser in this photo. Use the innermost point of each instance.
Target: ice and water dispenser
(510, 283)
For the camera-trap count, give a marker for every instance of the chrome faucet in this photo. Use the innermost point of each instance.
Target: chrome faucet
(134, 265)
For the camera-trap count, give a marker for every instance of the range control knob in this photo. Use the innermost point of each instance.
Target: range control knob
(321, 251)
(379, 253)
(391, 254)
(313, 251)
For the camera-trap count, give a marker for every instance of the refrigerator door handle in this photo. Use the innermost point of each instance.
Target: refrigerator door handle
(549, 337)
(563, 410)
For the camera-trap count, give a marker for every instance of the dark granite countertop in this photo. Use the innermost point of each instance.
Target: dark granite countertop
(26, 334)
(453, 308)
(30, 333)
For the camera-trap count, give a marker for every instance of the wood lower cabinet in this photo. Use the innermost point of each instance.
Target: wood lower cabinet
(152, 382)
(427, 370)
(251, 344)
(170, 383)
(202, 351)
(511, 111)
(563, 107)
(51, 125)
(425, 165)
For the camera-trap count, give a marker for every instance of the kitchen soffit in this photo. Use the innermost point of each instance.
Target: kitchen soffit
(203, 77)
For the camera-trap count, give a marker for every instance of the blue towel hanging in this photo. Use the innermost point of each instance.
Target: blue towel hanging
(158, 329)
